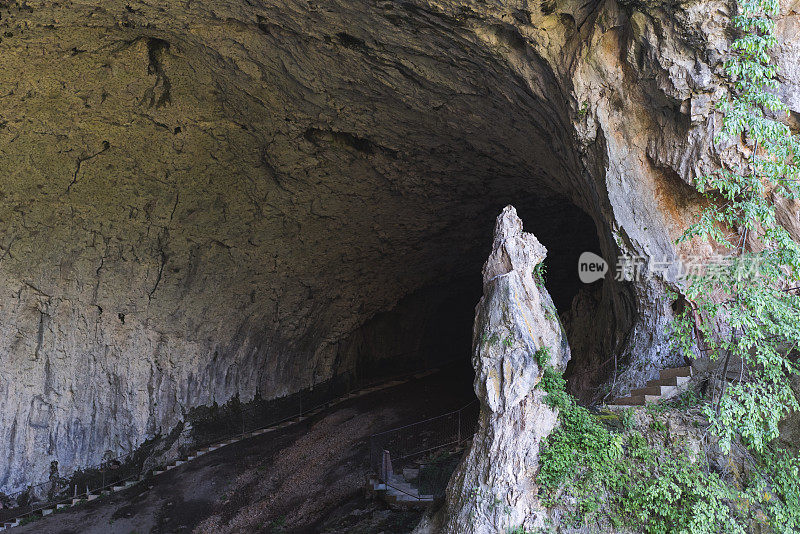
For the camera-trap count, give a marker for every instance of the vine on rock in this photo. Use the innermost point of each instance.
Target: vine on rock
(754, 294)
(745, 310)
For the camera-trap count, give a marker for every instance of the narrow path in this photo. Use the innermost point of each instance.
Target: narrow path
(304, 478)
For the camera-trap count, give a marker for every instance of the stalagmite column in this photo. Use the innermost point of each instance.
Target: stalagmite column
(516, 327)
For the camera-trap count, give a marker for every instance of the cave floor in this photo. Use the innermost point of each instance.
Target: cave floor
(304, 478)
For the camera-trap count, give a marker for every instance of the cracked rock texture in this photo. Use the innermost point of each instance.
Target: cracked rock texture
(494, 488)
(211, 198)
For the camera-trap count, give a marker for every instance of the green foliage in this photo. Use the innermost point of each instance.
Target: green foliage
(579, 452)
(780, 497)
(542, 356)
(539, 273)
(550, 312)
(492, 339)
(627, 419)
(618, 479)
(753, 411)
(764, 322)
(677, 496)
(555, 386)
(495, 338)
(683, 402)
(757, 302)
(658, 426)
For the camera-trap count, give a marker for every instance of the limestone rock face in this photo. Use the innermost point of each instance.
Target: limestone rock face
(494, 487)
(209, 199)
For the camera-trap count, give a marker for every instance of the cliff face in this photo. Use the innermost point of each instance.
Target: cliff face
(207, 199)
(516, 335)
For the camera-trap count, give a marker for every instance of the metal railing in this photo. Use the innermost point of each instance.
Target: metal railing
(407, 446)
(435, 473)
(93, 480)
(220, 424)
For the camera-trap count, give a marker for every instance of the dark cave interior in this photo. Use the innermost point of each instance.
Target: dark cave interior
(434, 324)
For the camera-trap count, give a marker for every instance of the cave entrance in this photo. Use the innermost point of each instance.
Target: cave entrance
(432, 327)
(428, 170)
(388, 188)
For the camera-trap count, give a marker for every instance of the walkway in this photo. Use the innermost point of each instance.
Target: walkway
(294, 478)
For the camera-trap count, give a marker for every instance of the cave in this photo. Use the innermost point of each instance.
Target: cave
(232, 201)
(433, 325)
(249, 246)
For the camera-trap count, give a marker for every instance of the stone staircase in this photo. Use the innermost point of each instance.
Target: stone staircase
(670, 382)
(399, 490)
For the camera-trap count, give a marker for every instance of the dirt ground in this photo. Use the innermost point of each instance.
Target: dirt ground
(307, 478)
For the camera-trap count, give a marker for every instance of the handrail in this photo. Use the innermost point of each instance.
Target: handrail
(380, 442)
(425, 420)
(401, 490)
(140, 474)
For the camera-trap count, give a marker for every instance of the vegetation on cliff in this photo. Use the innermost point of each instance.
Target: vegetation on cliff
(657, 470)
(754, 294)
(745, 309)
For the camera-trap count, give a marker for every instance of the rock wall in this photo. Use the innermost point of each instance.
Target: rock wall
(207, 199)
(494, 487)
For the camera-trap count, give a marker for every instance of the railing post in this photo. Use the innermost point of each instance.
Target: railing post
(386, 467)
(459, 427)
